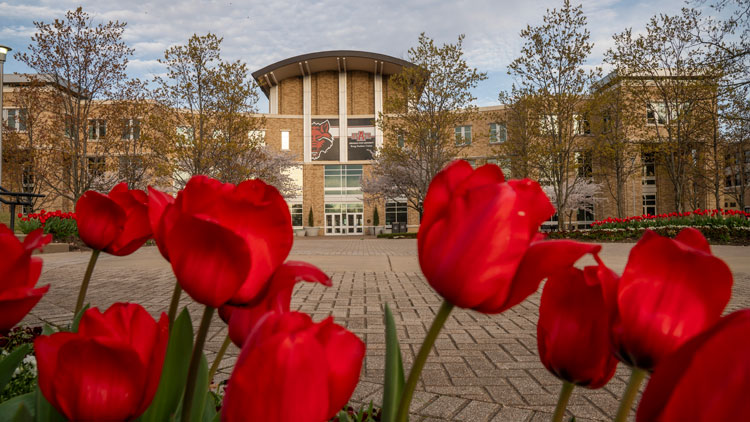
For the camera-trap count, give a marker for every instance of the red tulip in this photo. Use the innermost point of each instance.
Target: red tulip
(705, 380)
(573, 331)
(19, 273)
(276, 298)
(291, 369)
(109, 370)
(157, 205)
(478, 242)
(226, 241)
(116, 223)
(671, 290)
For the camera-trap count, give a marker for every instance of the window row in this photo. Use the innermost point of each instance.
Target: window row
(498, 134)
(343, 179)
(15, 119)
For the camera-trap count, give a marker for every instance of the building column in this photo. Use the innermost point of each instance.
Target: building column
(378, 108)
(306, 111)
(343, 116)
(273, 100)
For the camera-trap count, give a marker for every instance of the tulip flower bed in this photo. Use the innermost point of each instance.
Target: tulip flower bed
(697, 218)
(61, 225)
(717, 235)
(479, 248)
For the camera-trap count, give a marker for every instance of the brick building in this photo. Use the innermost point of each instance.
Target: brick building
(323, 107)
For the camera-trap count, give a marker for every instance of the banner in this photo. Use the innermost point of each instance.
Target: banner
(324, 140)
(360, 139)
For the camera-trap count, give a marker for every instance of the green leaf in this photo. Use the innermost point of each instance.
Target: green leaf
(174, 373)
(23, 414)
(9, 364)
(44, 410)
(77, 318)
(10, 407)
(209, 409)
(394, 370)
(47, 330)
(201, 392)
(343, 416)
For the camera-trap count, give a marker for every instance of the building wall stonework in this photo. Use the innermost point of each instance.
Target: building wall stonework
(325, 93)
(290, 96)
(313, 196)
(360, 91)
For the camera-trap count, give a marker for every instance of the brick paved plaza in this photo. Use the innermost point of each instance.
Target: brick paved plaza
(484, 368)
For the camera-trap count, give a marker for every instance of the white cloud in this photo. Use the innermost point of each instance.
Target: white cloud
(263, 32)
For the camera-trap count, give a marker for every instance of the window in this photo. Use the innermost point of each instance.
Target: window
(548, 124)
(584, 164)
(97, 128)
(131, 129)
(185, 135)
(498, 133)
(649, 204)
(728, 181)
(658, 113)
(472, 162)
(296, 211)
(342, 179)
(285, 139)
(395, 212)
(15, 118)
(649, 169)
(400, 141)
(585, 216)
(581, 125)
(96, 167)
(258, 136)
(463, 135)
(130, 167)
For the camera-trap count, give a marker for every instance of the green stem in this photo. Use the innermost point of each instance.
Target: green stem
(219, 357)
(636, 378)
(562, 401)
(174, 303)
(86, 279)
(424, 352)
(200, 339)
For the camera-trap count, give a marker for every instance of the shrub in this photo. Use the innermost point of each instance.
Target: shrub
(24, 377)
(727, 235)
(61, 225)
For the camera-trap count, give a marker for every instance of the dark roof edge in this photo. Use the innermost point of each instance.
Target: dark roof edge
(332, 53)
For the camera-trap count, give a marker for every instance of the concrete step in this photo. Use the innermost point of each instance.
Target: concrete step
(48, 248)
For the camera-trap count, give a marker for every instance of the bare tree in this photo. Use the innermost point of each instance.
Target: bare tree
(666, 75)
(551, 76)
(520, 145)
(429, 100)
(615, 152)
(737, 141)
(205, 115)
(85, 62)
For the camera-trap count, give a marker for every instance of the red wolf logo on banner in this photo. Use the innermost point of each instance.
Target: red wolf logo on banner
(321, 139)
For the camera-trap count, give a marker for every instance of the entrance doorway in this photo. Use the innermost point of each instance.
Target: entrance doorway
(344, 219)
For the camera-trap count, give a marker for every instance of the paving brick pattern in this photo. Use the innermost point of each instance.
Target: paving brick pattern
(483, 368)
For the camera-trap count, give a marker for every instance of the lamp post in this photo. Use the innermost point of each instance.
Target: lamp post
(3, 51)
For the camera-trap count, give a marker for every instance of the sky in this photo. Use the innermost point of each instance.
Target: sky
(262, 33)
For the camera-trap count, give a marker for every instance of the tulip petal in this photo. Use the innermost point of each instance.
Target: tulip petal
(209, 261)
(46, 350)
(344, 354)
(694, 239)
(100, 220)
(541, 260)
(280, 379)
(440, 191)
(705, 380)
(573, 330)
(667, 294)
(16, 303)
(157, 204)
(109, 381)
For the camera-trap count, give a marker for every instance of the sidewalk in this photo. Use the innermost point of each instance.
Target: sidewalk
(483, 368)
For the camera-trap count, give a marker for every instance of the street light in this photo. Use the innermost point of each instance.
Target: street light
(3, 51)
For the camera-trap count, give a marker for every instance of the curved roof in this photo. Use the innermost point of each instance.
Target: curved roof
(338, 60)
